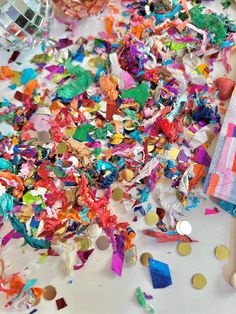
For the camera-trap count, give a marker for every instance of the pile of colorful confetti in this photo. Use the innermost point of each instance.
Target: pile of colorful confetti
(111, 119)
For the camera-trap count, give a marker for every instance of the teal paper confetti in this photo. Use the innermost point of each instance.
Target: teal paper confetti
(28, 75)
(6, 205)
(5, 165)
(20, 227)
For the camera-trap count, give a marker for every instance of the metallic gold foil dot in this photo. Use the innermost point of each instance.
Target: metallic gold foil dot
(69, 131)
(152, 218)
(221, 252)
(61, 148)
(127, 175)
(117, 194)
(83, 244)
(184, 248)
(144, 258)
(199, 281)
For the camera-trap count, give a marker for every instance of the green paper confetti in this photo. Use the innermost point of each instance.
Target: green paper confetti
(140, 94)
(97, 151)
(82, 132)
(210, 22)
(29, 199)
(74, 88)
(5, 165)
(176, 46)
(142, 301)
(130, 113)
(103, 133)
(226, 4)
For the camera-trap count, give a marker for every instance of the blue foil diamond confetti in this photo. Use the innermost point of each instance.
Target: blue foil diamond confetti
(160, 274)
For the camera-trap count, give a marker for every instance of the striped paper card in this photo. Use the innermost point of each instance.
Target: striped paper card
(221, 179)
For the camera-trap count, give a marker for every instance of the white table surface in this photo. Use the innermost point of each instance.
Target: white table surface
(96, 290)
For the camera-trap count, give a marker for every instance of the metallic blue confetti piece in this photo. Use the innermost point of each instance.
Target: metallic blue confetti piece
(160, 273)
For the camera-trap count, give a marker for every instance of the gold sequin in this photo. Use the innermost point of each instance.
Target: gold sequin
(151, 218)
(199, 281)
(221, 252)
(144, 258)
(184, 248)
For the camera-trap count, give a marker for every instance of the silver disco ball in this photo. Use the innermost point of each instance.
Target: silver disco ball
(24, 23)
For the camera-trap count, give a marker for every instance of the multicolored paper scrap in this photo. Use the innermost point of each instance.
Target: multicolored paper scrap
(221, 179)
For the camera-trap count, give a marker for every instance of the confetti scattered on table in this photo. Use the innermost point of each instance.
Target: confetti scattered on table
(118, 122)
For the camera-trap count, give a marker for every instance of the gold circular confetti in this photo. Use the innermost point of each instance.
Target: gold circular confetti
(199, 281)
(117, 194)
(184, 248)
(221, 252)
(144, 258)
(49, 293)
(151, 218)
(127, 175)
(61, 148)
(69, 131)
(83, 244)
